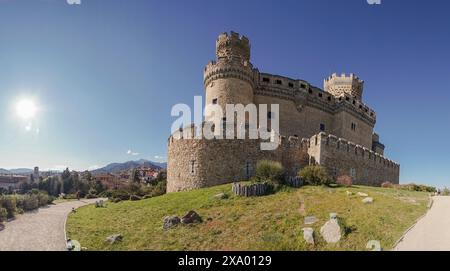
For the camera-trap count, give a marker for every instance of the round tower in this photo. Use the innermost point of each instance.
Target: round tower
(340, 85)
(229, 79)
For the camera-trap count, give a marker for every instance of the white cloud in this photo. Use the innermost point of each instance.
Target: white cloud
(129, 152)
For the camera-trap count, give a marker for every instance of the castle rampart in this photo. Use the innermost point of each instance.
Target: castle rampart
(341, 157)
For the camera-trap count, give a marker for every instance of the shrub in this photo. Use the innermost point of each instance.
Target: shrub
(3, 214)
(269, 171)
(120, 194)
(31, 202)
(387, 185)
(43, 199)
(10, 204)
(445, 192)
(315, 175)
(135, 198)
(344, 180)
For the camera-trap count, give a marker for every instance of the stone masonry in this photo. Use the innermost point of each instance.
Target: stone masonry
(331, 127)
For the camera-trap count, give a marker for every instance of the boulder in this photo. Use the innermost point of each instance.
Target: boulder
(374, 245)
(191, 217)
(361, 194)
(349, 193)
(221, 196)
(331, 231)
(309, 220)
(308, 234)
(170, 222)
(367, 200)
(114, 238)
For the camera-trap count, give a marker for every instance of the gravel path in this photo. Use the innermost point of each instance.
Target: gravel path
(41, 230)
(432, 232)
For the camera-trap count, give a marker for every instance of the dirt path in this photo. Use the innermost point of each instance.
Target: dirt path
(432, 232)
(41, 230)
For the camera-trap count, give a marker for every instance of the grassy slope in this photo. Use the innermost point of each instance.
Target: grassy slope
(272, 222)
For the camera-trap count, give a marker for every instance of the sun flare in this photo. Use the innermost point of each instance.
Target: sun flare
(26, 109)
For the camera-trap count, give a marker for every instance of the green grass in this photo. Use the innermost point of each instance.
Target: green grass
(272, 222)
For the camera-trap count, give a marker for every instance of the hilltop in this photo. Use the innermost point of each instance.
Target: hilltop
(271, 222)
(116, 167)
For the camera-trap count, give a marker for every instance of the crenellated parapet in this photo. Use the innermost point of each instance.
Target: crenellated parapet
(233, 47)
(342, 157)
(220, 70)
(344, 84)
(303, 93)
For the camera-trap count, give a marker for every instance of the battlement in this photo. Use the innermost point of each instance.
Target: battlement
(344, 84)
(288, 88)
(232, 47)
(332, 144)
(216, 70)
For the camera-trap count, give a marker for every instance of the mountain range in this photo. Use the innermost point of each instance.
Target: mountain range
(116, 167)
(111, 168)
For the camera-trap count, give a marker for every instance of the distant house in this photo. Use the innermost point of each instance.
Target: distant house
(11, 181)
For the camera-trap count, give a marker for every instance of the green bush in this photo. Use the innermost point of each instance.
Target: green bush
(120, 194)
(43, 199)
(269, 171)
(315, 175)
(31, 202)
(3, 214)
(445, 192)
(10, 204)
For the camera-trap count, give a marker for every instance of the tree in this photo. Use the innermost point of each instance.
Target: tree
(134, 175)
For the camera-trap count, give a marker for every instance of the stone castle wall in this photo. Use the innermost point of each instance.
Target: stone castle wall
(342, 157)
(197, 163)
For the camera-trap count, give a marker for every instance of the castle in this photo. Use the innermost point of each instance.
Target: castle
(331, 127)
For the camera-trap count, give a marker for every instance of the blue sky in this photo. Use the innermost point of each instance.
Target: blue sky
(106, 73)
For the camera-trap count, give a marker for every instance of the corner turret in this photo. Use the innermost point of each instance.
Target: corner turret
(340, 85)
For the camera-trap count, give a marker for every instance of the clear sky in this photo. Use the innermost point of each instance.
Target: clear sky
(104, 75)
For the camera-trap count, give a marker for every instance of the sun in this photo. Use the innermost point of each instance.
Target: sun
(26, 109)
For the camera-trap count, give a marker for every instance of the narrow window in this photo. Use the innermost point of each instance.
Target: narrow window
(214, 101)
(353, 173)
(279, 82)
(291, 85)
(266, 80)
(303, 86)
(192, 168)
(248, 169)
(310, 91)
(270, 115)
(322, 127)
(320, 95)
